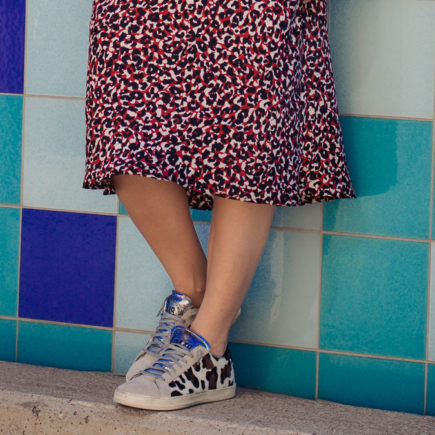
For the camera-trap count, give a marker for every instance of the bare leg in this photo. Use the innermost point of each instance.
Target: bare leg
(160, 211)
(238, 234)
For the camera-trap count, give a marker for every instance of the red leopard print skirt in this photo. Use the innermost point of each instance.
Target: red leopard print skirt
(233, 98)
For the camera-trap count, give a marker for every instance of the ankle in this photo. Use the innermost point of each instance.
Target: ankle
(218, 345)
(196, 294)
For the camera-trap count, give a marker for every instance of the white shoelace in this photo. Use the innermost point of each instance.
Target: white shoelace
(160, 337)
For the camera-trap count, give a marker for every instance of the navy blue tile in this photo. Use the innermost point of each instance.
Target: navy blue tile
(286, 371)
(67, 267)
(12, 25)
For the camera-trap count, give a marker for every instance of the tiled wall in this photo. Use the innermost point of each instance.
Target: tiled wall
(342, 306)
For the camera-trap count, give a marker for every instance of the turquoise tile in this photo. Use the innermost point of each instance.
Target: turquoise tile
(201, 215)
(390, 164)
(430, 398)
(8, 332)
(11, 109)
(122, 210)
(142, 283)
(70, 347)
(54, 158)
(57, 47)
(374, 296)
(372, 382)
(282, 304)
(285, 371)
(127, 346)
(431, 341)
(9, 249)
(383, 56)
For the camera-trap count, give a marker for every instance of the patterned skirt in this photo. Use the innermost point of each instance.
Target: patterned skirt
(234, 98)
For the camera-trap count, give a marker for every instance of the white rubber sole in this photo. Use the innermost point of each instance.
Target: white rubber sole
(176, 402)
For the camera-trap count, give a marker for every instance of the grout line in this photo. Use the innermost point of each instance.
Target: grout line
(400, 118)
(316, 394)
(136, 331)
(374, 236)
(23, 132)
(54, 322)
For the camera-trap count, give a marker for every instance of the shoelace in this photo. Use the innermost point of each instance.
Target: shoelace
(163, 332)
(168, 361)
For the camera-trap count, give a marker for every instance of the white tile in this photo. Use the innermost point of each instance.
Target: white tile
(383, 54)
(141, 281)
(308, 217)
(54, 158)
(57, 46)
(127, 346)
(283, 301)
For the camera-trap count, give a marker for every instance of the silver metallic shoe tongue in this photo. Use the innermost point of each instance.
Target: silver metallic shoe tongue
(177, 303)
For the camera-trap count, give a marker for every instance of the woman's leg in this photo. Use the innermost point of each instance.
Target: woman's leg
(238, 234)
(160, 211)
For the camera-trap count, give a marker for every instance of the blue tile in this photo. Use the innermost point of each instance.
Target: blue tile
(57, 30)
(69, 347)
(430, 399)
(127, 346)
(286, 371)
(282, 304)
(374, 296)
(383, 56)
(9, 249)
(12, 24)
(8, 332)
(372, 382)
(67, 267)
(11, 109)
(54, 158)
(390, 164)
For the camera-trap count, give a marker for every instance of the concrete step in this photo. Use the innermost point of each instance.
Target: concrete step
(45, 400)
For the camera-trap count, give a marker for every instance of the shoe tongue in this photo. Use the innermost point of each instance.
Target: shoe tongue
(187, 338)
(177, 303)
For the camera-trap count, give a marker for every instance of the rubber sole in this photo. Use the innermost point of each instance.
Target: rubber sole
(176, 402)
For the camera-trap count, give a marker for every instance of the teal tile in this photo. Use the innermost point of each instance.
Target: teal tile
(11, 109)
(374, 296)
(142, 283)
(9, 249)
(372, 382)
(308, 217)
(122, 210)
(54, 158)
(431, 341)
(201, 215)
(390, 164)
(430, 398)
(127, 346)
(57, 47)
(70, 347)
(383, 56)
(8, 332)
(282, 304)
(285, 371)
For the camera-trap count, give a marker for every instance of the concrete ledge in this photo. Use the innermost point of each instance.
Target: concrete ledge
(45, 400)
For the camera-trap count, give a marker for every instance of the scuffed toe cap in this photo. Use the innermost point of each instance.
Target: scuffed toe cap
(139, 386)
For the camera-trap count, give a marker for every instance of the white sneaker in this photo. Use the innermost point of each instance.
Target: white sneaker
(177, 309)
(185, 374)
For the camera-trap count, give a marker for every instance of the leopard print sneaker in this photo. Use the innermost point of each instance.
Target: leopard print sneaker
(177, 309)
(185, 374)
